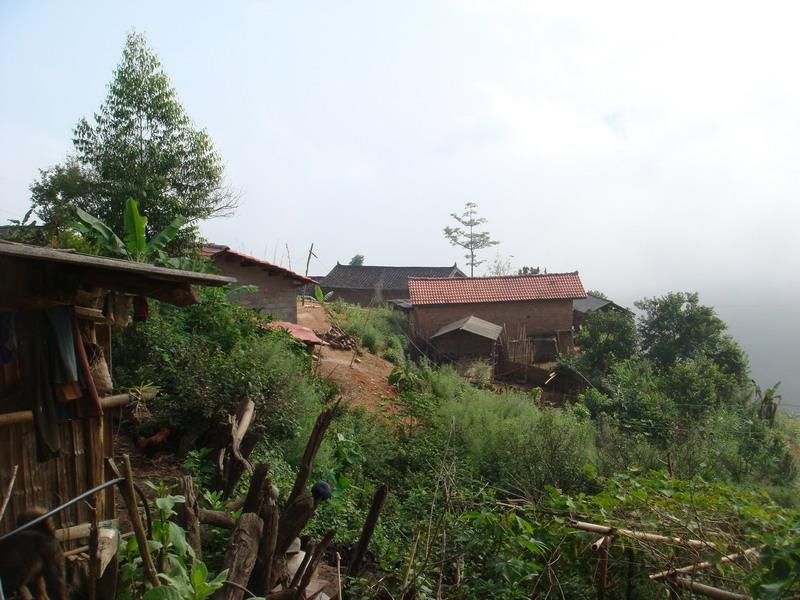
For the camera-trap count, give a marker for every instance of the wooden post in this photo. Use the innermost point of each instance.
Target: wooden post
(94, 546)
(369, 528)
(187, 514)
(602, 567)
(308, 262)
(319, 552)
(128, 494)
(631, 573)
(241, 556)
(312, 447)
(255, 496)
(266, 547)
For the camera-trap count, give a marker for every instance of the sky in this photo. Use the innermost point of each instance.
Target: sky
(652, 146)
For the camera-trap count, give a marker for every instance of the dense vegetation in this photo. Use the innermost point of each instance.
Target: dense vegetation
(485, 485)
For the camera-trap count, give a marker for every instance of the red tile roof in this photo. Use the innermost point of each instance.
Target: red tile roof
(511, 288)
(214, 250)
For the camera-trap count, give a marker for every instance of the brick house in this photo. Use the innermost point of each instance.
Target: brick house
(277, 286)
(533, 309)
(371, 284)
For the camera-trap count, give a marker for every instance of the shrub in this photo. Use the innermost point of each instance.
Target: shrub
(208, 357)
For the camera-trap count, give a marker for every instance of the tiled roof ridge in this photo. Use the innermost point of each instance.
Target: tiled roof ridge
(480, 278)
(222, 249)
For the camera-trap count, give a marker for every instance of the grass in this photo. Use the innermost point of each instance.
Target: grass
(378, 329)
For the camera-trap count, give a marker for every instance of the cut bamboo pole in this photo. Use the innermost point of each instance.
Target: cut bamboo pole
(26, 416)
(9, 489)
(707, 590)
(703, 565)
(128, 494)
(641, 535)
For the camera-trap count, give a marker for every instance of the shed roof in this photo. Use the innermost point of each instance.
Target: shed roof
(474, 325)
(245, 260)
(70, 257)
(69, 269)
(510, 288)
(591, 302)
(368, 277)
(299, 332)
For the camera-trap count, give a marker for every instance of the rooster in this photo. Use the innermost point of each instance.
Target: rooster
(153, 442)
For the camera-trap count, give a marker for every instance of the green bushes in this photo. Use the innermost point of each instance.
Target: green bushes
(378, 329)
(208, 357)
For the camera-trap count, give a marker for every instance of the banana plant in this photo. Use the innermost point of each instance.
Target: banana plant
(134, 245)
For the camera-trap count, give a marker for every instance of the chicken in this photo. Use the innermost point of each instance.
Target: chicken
(154, 441)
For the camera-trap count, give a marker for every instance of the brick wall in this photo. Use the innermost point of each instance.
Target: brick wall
(277, 293)
(542, 316)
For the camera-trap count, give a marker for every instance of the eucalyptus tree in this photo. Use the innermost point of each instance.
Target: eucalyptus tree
(139, 144)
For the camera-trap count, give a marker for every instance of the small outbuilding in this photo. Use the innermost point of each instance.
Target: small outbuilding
(277, 286)
(469, 337)
(58, 404)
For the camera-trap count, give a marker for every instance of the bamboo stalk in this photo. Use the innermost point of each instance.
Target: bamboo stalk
(641, 535)
(26, 416)
(128, 494)
(707, 590)
(9, 489)
(703, 565)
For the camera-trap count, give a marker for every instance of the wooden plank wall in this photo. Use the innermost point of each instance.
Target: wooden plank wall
(45, 484)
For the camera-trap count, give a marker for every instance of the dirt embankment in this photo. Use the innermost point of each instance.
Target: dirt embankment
(363, 379)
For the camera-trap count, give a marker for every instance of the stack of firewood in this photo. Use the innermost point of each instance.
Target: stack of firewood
(339, 339)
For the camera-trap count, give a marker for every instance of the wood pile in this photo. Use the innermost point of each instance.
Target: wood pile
(337, 338)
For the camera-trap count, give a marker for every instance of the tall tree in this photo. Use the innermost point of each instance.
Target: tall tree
(676, 327)
(140, 144)
(466, 237)
(357, 260)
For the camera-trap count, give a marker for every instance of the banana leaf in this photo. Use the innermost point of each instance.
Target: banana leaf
(91, 225)
(135, 225)
(164, 237)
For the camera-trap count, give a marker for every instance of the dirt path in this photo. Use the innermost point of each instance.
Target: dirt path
(364, 381)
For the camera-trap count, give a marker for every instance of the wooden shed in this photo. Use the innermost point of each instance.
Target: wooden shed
(57, 403)
(469, 337)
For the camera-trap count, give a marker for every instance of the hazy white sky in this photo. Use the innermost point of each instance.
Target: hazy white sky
(653, 146)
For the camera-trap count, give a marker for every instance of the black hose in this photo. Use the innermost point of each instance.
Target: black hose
(146, 504)
(61, 507)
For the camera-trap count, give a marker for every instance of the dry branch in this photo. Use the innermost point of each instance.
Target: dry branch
(216, 518)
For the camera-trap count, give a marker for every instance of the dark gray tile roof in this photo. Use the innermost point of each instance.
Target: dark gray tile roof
(387, 278)
(590, 303)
